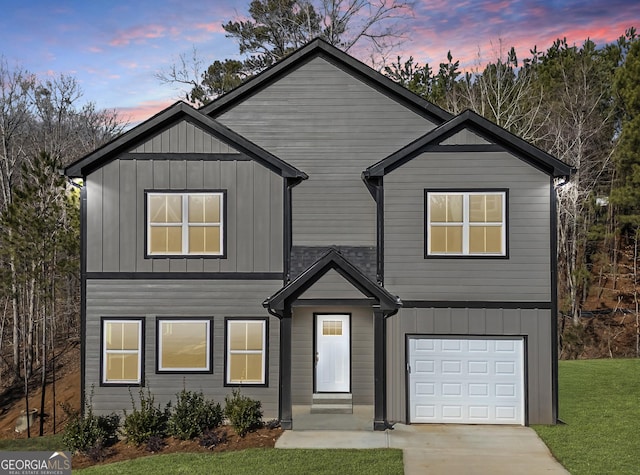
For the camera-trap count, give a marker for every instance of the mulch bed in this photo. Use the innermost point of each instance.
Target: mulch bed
(122, 451)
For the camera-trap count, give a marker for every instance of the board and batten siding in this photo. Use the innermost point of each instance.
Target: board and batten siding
(332, 126)
(533, 324)
(332, 286)
(175, 298)
(116, 215)
(524, 276)
(302, 358)
(186, 138)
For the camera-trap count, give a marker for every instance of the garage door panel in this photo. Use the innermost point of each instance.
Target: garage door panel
(451, 367)
(478, 389)
(478, 367)
(424, 345)
(425, 367)
(425, 389)
(426, 411)
(478, 346)
(454, 346)
(469, 381)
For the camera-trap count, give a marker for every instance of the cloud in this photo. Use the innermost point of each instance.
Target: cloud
(129, 64)
(472, 30)
(210, 27)
(141, 33)
(143, 111)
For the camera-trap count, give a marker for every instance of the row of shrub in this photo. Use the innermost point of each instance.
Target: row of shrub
(193, 416)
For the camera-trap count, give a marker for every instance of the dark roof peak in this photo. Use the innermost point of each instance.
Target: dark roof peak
(484, 128)
(331, 260)
(320, 47)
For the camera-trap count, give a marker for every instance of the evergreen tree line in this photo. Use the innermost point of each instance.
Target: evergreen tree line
(44, 125)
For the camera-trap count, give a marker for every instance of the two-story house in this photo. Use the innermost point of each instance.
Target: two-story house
(321, 235)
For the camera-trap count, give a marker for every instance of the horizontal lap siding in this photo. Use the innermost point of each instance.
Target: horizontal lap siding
(533, 324)
(116, 214)
(361, 353)
(331, 126)
(173, 298)
(524, 276)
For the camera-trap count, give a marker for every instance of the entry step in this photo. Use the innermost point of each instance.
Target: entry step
(332, 403)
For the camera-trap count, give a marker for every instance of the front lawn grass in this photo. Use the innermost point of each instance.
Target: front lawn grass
(46, 443)
(600, 403)
(263, 462)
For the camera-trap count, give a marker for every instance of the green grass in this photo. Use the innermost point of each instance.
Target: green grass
(48, 442)
(263, 462)
(600, 403)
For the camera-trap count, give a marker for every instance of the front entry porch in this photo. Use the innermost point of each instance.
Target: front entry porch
(360, 419)
(332, 338)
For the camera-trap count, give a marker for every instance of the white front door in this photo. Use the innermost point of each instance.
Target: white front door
(333, 355)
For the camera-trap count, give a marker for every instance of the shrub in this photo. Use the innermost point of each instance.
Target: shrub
(155, 444)
(90, 434)
(212, 438)
(272, 424)
(192, 415)
(243, 413)
(145, 422)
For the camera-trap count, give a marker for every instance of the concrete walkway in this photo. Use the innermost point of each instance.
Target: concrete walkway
(443, 449)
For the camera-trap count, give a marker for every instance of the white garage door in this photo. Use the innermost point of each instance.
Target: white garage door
(466, 381)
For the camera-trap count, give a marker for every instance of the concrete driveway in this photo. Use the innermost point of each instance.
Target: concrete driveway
(444, 449)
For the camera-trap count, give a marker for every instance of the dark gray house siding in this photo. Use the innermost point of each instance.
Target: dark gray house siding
(331, 125)
(178, 298)
(533, 324)
(186, 138)
(116, 215)
(291, 148)
(524, 276)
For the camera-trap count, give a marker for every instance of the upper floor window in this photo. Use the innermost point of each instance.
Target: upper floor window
(185, 223)
(466, 223)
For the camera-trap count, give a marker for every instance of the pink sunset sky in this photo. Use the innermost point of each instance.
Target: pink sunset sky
(116, 48)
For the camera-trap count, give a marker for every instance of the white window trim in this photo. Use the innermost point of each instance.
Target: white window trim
(106, 352)
(263, 352)
(466, 224)
(185, 223)
(178, 321)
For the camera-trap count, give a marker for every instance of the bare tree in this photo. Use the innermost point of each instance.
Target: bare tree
(278, 27)
(378, 25)
(507, 94)
(43, 126)
(578, 131)
(15, 116)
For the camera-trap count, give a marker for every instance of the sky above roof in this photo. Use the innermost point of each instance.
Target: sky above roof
(116, 48)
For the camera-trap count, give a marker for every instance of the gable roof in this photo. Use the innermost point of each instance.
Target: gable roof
(162, 120)
(332, 259)
(320, 48)
(483, 127)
